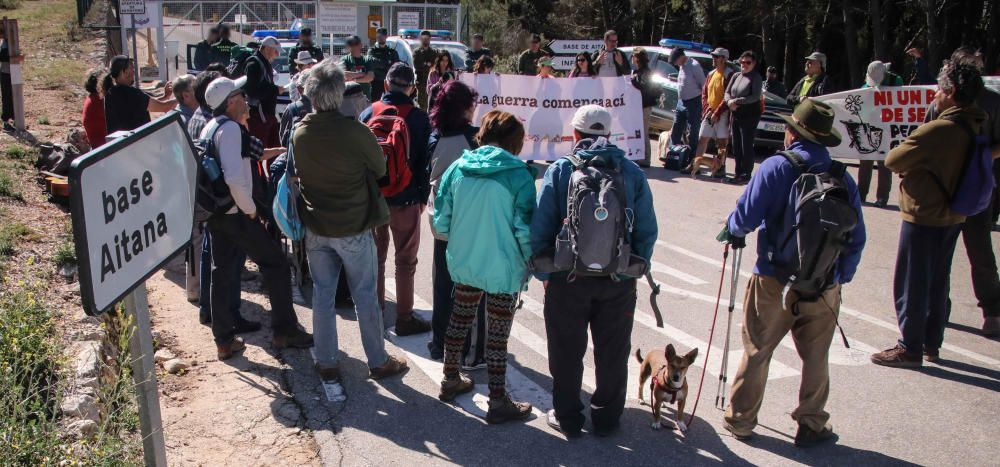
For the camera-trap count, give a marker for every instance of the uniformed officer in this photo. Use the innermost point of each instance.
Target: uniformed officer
(423, 59)
(306, 43)
(382, 57)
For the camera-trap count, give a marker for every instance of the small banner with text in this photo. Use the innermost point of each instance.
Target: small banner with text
(872, 121)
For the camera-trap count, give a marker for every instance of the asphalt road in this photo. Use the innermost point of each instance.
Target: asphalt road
(942, 414)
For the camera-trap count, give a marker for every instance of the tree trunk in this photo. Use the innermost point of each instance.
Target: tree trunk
(878, 30)
(790, 71)
(933, 35)
(851, 43)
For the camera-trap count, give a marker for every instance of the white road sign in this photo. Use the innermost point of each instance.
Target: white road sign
(338, 19)
(132, 204)
(574, 46)
(132, 7)
(408, 20)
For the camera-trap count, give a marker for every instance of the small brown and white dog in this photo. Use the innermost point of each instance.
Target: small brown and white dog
(663, 144)
(713, 163)
(669, 381)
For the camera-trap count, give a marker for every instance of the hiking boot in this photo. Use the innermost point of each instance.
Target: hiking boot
(478, 364)
(740, 436)
(244, 326)
(991, 326)
(412, 325)
(807, 437)
(553, 422)
(453, 387)
(436, 353)
(882, 203)
(296, 339)
(932, 355)
(505, 409)
(897, 357)
(226, 351)
(392, 367)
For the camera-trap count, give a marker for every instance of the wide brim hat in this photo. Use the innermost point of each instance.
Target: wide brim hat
(814, 121)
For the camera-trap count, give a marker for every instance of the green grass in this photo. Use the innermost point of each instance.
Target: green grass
(7, 189)
(19, 153)
(10, 234)
(65, 254)
(43, 120)
(10, 4)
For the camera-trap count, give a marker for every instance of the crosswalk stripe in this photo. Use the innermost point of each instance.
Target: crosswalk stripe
(664, 269)
(704, 259)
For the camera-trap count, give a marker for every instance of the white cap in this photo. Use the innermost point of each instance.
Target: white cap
(221, 89)
(720, 52)
(272, 42)
(592, 120)
(876, 73)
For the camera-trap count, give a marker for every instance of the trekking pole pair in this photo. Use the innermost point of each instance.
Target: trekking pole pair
(737, 259)
(720, 395)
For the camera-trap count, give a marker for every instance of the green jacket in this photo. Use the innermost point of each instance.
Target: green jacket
(382, 57)
(527, 62)
(484, 206)
(338, 162)
(423, 60)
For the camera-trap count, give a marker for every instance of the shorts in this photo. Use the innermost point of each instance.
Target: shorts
(720, 130)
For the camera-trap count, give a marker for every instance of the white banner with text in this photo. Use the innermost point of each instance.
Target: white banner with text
(546, 106)
(872, 121)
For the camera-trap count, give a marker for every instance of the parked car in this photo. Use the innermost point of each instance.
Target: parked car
(408, 40)
(770, 130)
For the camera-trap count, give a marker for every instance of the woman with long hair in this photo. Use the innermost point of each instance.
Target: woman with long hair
(583, 66)
(484, 205)
(452, 135)
(94, 124)
(442, 65)
(485, 64)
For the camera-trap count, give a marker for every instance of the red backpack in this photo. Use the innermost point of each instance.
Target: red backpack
(389, 126)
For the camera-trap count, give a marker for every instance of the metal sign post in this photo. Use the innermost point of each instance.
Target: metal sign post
(132, 8)
(154, 448)
(12, 37)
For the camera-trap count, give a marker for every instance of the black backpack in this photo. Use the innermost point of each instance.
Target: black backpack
(594, 240)
(239, 57)
(212, 196)
(823, 219)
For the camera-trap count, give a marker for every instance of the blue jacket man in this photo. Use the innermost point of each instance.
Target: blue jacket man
(766, 204)
(405, 209)
(606, 305)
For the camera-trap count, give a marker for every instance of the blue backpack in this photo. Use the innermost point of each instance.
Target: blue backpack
(286, 201)
(976, 182)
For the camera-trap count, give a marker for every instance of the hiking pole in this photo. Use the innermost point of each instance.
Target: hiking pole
(711, 332)
(652, 299)
(723, 372)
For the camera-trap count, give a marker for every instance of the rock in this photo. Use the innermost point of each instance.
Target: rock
(68, 271)
(90, 383)
(81, 429)
(163, 355)
(81, 406)
(175, 366)
(88, 361)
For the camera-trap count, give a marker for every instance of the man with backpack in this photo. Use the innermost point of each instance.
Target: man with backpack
(811, 236)
(938, 164)
(403, 131)
(578, 296)
(234, 223)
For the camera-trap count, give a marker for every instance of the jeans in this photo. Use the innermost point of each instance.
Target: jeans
(230, 233)
(865, 180)
(687, 117)
(607, 307)
(404, 227)
(356, 255)
(444, 289)
(205, 278)
(744, 133)
(976, 234)
(922, 283)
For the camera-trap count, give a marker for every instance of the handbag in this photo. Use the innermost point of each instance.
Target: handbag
(286, 200)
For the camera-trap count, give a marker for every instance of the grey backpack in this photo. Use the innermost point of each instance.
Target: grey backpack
(594, 240)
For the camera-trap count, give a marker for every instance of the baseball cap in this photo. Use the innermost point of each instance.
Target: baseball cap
(272, 42)
(819, 57)
(401, 74)
(221, 89)
(720, 52)
(353, 40)
(546, 61)
(592, 120)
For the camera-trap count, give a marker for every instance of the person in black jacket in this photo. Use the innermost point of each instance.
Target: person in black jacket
(609, 61)
(814, 83)
(203, 54)
(642, 80)
(262, 93)
(305, 43)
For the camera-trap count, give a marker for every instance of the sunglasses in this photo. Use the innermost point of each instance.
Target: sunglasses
(580, 60)
(746, 62)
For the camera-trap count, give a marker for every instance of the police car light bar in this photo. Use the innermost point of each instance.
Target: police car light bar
(682, 44)
(277, 33)
(435, 33)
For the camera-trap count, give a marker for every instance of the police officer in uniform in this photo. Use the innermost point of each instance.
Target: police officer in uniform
(306, 43)
(382, 57)
(423, 59)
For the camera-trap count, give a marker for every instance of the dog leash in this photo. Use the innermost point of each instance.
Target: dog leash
(711, 333)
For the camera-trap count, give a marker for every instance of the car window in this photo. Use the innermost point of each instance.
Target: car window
(282, 63)
(665, 69)
(667, 99)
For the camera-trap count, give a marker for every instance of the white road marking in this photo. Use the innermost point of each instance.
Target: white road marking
(704, 259)
(664, 269)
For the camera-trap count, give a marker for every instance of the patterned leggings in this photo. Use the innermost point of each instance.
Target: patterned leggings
(500, 316)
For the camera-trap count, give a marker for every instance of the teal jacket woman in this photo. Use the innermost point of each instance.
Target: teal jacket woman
(484, 206)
